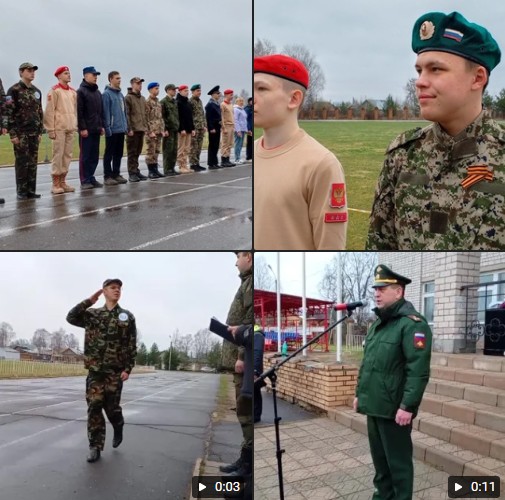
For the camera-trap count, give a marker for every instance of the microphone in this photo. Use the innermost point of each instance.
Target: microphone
(351, 306)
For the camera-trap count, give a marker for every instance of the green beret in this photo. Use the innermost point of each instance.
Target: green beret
(454, 34)
(385, 277)
(195, 87)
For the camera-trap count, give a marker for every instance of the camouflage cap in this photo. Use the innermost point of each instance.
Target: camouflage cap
(110, 281)
(385, 277)
(170, 86)
(454, 34)
(28, 65)
(137, 79)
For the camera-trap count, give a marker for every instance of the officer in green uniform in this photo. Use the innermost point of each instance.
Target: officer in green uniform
(442, 187)
(109, 355)
(391, 382)
(242, 313)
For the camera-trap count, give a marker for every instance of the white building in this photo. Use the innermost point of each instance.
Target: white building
(453, 290)
(8, 353)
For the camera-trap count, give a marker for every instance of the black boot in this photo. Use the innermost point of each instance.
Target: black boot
(152, 173)
(158, 173)
(232, 467)
(93, 455)
(118, 436)
(245, 468)
(141, 176)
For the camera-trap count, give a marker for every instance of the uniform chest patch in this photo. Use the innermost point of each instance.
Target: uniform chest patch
(123, 316)
(419, 340)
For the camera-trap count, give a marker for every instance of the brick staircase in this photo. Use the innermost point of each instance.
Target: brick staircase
(460, 427)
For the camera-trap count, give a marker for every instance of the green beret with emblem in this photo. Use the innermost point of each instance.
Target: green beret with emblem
(454, 34)
(383, 276)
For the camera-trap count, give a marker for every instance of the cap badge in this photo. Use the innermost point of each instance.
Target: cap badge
(427, 30)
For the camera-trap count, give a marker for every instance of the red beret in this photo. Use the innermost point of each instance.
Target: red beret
(182, 87)
(61, 69)
(283, 67)
(228, 91)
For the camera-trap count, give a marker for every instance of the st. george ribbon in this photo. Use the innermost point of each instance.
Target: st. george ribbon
(351, 306)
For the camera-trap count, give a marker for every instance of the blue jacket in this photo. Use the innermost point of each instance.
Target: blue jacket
(249, 110)
(114, 112)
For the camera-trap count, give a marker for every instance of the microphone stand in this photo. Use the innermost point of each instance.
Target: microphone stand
(271, 373)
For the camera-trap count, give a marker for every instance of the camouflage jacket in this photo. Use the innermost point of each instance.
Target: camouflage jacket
(3, 118)
(198, 113)
(242, 308)
(154, 117)
(110, 339)
(170, 114)
(420, 203)
(24, 110)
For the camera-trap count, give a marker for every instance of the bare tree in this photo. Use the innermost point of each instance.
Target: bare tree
(41, 339)
(184, 343)
(264, 48)
(6, 334)
(71, 341)
(316, 74)
(357, 279)
(411, 97)
(263, 279)
(202, 343)
(58, 339)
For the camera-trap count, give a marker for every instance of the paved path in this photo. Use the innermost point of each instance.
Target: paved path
(323, 460)
(43, 442)
(202, 211)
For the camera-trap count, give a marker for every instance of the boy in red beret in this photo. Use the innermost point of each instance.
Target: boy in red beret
(60, 121)
(299, 186)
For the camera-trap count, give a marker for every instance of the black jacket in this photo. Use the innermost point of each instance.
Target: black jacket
(89, 108)
(185, 114)
(213, 115)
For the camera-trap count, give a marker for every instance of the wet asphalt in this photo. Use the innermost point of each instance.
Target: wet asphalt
(210, 210)
(43, 442)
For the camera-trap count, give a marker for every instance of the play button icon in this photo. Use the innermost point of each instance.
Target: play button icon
(201, 486)
(457, 487)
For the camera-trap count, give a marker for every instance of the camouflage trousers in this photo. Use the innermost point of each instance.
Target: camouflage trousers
(196, 147)
(170, 151)
(153, 149)
(244, 413)
(103, 392)
(26, 153)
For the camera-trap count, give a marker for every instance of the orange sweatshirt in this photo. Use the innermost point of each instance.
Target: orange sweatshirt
(299, 197)
(61, 109)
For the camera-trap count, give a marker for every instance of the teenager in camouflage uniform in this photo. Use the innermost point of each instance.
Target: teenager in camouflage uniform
(170, 114)
(442, 187)
(242, 313)
(200, 128)
(155, 130)
(109, 355)
(25, 125)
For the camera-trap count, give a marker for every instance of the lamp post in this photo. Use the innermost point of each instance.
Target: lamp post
(170, 356)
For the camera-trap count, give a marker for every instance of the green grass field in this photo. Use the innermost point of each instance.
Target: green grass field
(360, 147)
(45, 150)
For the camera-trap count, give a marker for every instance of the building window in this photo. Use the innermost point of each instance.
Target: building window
(429, 301)
(490, 295)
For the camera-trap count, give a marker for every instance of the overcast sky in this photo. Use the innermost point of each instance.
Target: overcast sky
(167, 42)
(364, 46)
(291, 270)
(164, 291)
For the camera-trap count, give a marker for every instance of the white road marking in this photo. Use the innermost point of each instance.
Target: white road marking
(9, 231)
(24, 438)
(189, 230)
